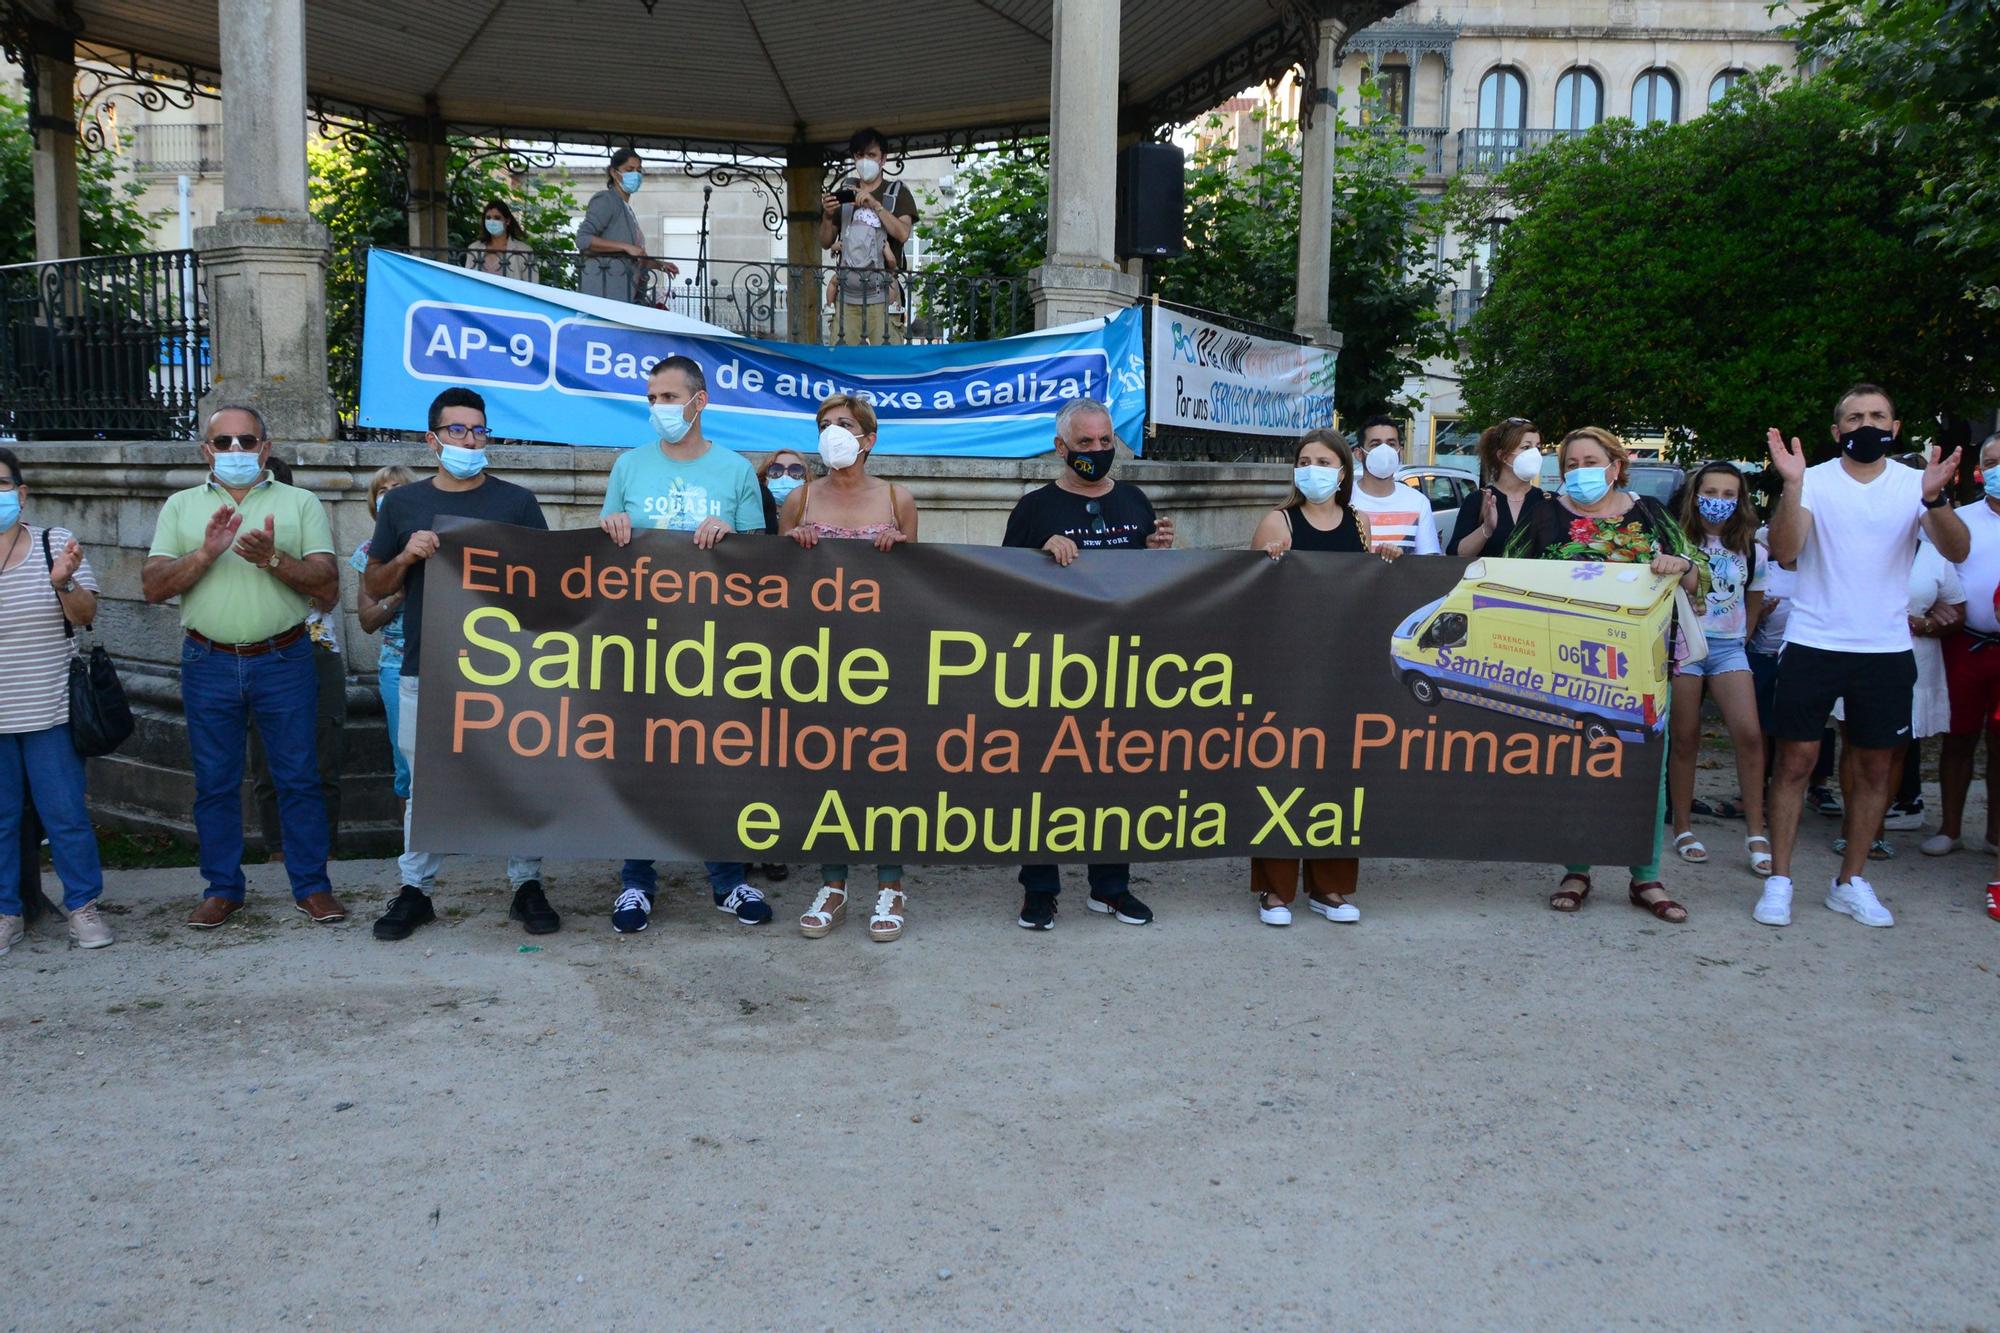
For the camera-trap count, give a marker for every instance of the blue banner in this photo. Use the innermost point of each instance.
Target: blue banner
(563, 368)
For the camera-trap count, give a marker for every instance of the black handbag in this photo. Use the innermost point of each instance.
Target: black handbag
(100, 720)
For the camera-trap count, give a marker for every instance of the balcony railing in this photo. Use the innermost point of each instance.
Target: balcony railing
(1483, 152)
(1465, 304)
(176, 150)
(1429, 138)
(114, 347)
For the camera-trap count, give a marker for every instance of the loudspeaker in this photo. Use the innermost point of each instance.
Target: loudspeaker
(1152, 201)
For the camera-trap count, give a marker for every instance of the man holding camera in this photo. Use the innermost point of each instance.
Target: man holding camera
(867, 220)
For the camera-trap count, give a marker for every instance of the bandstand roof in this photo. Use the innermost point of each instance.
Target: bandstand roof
(732, 74)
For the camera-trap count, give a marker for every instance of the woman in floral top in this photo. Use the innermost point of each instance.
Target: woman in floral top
(1595, 519)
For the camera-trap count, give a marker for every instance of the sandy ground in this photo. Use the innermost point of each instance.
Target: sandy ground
(1465, 1111)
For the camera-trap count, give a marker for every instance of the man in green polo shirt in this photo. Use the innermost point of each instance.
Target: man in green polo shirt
(245, 554)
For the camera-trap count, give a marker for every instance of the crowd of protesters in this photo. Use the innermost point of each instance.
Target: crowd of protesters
(1863, 599)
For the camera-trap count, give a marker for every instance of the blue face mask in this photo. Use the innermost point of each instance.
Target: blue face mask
(1317, 483)
(495, 227)
(669, 421)
(237, 470)
(1993, 483)
(631, 181)
(10, 510)
(461, 462)
(781, 489)
(1587, 485)
(1715, 508)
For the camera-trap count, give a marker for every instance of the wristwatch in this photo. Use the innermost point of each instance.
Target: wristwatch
(1938, 503)
(272, 563)
(69, 585)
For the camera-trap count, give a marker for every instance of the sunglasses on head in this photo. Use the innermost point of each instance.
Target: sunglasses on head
(777, 470)
(232, 443)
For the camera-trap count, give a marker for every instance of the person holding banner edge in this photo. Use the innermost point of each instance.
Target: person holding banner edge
(404, 523)
(1084, 509)
(1594, 518)
(683, 484)
(851, 506)
(1317, 517)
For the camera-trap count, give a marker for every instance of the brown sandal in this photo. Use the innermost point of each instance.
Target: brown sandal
(1569, 900)
(1664, 909)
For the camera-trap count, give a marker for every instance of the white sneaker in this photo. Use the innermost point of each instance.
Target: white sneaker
(1277, 914)
(1344, 913)
(1900, 820)
(1857, 899)
(87, 929)
(12, 931)
(1774, 908)
(1939, 845)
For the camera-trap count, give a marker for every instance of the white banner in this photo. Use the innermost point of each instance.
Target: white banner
(1209, 377)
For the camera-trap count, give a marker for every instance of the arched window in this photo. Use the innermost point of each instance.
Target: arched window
(1656, 99)
(1579, 101)
(1503, 100)
(1719, 86)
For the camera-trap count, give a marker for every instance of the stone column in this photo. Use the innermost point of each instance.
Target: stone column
(265, 257)
(430, 180)
(1316, 192)
(805, 175)
(58, 224)
(1081, 278)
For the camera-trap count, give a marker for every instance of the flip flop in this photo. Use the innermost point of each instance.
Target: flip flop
(1689, 849)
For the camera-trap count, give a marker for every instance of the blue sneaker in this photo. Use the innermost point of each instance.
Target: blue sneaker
(633, 910)
(747, 903)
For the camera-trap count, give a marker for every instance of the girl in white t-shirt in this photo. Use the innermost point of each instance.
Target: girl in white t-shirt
(1719, 518)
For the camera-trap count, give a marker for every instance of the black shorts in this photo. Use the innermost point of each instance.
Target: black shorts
(1879, 689)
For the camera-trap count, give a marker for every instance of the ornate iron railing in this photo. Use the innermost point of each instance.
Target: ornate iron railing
(1482, 152)
(172, 150)
(112, 347)
(757, 298)
(1465, 304)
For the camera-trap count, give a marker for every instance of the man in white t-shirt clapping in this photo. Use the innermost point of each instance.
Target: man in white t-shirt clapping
(1398, 515)
(1852, 525)
(1972, 667)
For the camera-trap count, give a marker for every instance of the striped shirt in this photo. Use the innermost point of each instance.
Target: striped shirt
(1401, 518)
(34, 651)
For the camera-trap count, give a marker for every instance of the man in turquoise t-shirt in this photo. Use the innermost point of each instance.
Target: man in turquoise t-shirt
(685, 484)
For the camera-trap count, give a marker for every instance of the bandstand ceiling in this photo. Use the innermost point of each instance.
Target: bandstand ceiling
(740, 73)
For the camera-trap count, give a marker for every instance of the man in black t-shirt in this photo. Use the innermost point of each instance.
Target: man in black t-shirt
(1083, 509)
(404, 542)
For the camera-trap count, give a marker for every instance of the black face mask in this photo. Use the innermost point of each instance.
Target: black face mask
(1093, 464)
(1866, 444)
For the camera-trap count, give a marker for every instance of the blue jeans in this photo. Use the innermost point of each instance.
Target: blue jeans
(389, 678)
(45, 767)
(1107, 880)
(723, 876)
(420, 869)
(219, 692)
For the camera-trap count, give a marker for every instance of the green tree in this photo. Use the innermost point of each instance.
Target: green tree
(995, 226)
(357, 190)
(1923, 73)
(111, 223)
(1716, 278)
(1242, 245)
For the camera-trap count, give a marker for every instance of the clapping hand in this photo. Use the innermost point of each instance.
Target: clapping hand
(1790, 463)
(222, 526)
(257, 545)
(1939, 472)
(66, 565)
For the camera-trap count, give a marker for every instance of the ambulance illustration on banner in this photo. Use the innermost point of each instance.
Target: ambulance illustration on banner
(1580, 646)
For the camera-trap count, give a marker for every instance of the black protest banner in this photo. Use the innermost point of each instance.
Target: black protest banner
(952, 703)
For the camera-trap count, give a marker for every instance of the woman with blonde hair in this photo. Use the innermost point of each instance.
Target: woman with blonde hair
(384, 616)
(850, 505)
(1595, 519)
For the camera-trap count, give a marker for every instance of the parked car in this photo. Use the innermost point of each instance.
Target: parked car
(1446, 489)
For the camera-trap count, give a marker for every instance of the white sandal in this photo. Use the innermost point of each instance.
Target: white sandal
(1760, 862)
(1689, 849)
(887, 922)
(829, 909)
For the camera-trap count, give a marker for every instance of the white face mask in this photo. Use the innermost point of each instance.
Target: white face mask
(1382, 461)
(867, 169)
(838, 447)
(1527, 465)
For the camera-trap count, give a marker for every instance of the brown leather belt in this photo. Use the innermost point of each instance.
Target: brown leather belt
(257, 649)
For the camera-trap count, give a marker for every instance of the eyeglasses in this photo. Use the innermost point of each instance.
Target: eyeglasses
(777, 470)
(1096, 512)
(8, 484)
(234, 443)
(458, 434)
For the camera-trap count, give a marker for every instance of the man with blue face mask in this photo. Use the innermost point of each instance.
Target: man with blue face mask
(247, 555)
(405, 539)
(611, 241)
(682, 483)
